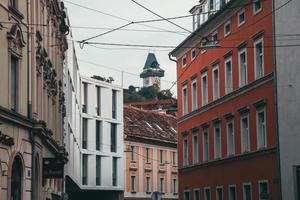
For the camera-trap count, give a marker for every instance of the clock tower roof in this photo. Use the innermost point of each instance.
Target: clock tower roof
(151, 67)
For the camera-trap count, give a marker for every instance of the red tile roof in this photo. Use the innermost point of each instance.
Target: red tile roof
(152, 125)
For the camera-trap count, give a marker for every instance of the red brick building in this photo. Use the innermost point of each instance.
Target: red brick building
(226, 124)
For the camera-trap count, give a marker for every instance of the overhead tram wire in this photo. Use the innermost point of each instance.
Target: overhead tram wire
(144, 7)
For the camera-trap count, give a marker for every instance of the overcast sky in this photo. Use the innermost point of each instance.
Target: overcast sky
(125, 58)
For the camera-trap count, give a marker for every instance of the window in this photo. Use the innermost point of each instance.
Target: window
(184, 101)
(196, 195)
(98, 170)
(161, 157)
(216, 83)
(85, 97)
(259, 59)
(205, 145)
(113, 137)
(243, 67)
(245, 134)
(195, 148)
(162, 185)
(256, 6)
(232, 193)
(133, 184)
(230, 138)
(261, 129)
(114, 171)
(183, 61)
(84, 169)
(84, 132)
(227, 28)
(217, 141)
(204, 90)
(241, 17)
(193, 54)
(263, 190)
(186, 195)
(194, 95)
(98, 135)
(215, 36)
(175, 186)
(219, 193)
(228, 75)
(13, 4)
(211, 5)
(147, 184)
(132, 153)
(147, 155)
(206, 193)
(114, 104)
(14, 83)
(16, 179)
(247, 192)
(185, 152)
(174, 158)
(98, 89)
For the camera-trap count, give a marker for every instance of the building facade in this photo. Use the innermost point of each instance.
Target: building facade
(32, 98)
(97, 168)
(150, 154)
(226, 126)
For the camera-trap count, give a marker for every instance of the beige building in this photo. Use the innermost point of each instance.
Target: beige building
(33, 45)
(150, 140)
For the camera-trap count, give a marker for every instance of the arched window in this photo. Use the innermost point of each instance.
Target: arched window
(16, 179)
(36, 179)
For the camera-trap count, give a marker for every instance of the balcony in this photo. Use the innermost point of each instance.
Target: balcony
(148, 167)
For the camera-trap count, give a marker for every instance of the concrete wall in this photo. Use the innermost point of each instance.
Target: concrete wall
(288, 86)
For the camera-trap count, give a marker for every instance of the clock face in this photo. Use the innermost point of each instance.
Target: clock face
(157, 81)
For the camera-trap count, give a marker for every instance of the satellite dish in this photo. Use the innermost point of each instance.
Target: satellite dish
(156, 196)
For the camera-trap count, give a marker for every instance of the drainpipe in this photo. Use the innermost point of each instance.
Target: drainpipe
(276, 102)
(172, 59)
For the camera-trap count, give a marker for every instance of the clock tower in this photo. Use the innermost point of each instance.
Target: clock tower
(152, 73)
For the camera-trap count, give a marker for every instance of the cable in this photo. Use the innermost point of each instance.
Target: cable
(160, 16)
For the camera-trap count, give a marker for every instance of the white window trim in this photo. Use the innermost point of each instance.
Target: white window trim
(183, 65)
(215, 68)
(243, 117)
(176, 188)
(132, 186)
(196, 160)
(226, 86)
(257, 128)
(203, 131)
(255, 12)
(214, 33)
(244, 50)
(184, 112)
(204, 75)
(247, 184)
(193, 58)
(259, 191)
(204, 189)
(219, 187)
(192, 91)
(232, 186)
(238, 17)
(195, 190)
(148, 177)
(215, 141)
(230, 121)
(226, 34)
(260, 40)
(160, 185)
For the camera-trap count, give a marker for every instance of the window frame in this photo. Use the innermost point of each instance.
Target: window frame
(243, 116)
(14, 101)
(241, 51)
(147, 155)
(233, 137)
(205, 130)
(204, 75)
(247, 184)
(261, 110)
(148, 186)
(183, 61)
(242, 11)
(217, 194)
(260, 40)
(235, 192)
(226, 24)
(227, 90)
(194, 193)
(133, 183)
(216, 68)
(194, 102)
(204, 191)
(193, 51)
(259, 188)
(132, 153)
(186, 192)
(217, 125)
(185, 100)
(255, 12)
(185, 161)
(161, 157)
(162, 185)
(195, 149)
(174, 184)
